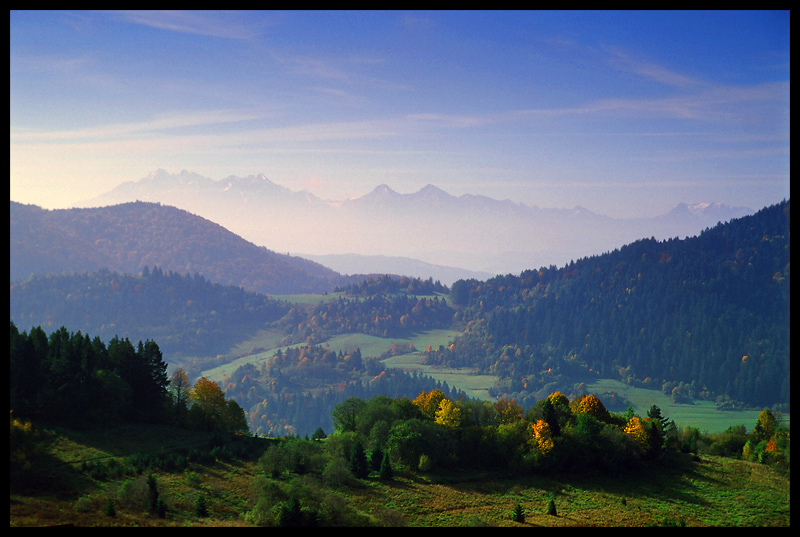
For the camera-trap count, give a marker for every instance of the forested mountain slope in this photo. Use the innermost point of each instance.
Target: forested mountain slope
(188, 316)
(130, 236)
(705, 316)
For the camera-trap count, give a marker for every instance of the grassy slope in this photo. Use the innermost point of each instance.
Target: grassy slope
(713, 491)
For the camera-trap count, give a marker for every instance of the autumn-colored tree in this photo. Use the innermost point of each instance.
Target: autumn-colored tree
(636, 429)
(428, 402)
(508, 411)
(542, 437)
(591, 405)
(765, 426)
(558, 399)
(210, 411)
(448, 414)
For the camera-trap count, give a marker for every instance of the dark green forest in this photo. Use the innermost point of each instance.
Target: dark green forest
(706, 317)
(187, 315)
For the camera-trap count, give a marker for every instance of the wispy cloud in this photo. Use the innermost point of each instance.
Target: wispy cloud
(623, 60)
(164, 122)
(228, 25)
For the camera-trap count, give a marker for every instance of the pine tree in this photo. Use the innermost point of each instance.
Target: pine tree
(386, 472)
(111, 508)
(200, 507)
(376, 458)
(152, 493)
(358, 461)
(519, 514)
(551, 508)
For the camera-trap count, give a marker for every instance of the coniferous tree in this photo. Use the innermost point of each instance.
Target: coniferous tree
(386, 472)
(358, 461)
(518, 515)
(200, 507)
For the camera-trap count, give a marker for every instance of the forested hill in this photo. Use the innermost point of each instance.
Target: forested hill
(187, 315)
(705, 316)
(130, 236)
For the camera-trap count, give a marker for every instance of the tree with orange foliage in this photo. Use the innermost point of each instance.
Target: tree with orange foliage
(591, 405)
(542, 437)
(210, 411)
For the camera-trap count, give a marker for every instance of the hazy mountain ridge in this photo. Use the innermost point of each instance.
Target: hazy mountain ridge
(130, 236)
(378, 264)
(470, 231)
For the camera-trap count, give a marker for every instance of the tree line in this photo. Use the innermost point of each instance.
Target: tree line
(75, 380)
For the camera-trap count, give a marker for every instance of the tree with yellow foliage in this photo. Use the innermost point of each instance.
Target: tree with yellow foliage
(636, 430)
(428, 402)
(448, 414)
(542, 437)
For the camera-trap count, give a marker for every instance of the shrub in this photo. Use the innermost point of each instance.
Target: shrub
(337, 472)
(193, 479)
(425, 463)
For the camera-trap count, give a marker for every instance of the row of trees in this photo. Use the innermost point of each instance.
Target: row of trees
(376, 315)
(75, 380)
(390, 285)
(434, 430)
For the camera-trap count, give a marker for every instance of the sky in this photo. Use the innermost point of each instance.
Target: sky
(624, 113)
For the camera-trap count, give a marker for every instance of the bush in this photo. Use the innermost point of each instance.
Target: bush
(337, 472)
(193, 479)
(425, 463)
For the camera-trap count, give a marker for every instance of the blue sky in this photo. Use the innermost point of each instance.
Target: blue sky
(624, 113)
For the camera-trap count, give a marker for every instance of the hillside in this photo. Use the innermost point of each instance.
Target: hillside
(188, 316)
(130, 236)
(706, 317)
(78, 472)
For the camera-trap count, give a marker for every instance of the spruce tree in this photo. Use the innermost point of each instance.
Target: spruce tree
(358, 461)
(200, 507)
(519, 514)
(376, 458)
(551, 508)
(386, 472)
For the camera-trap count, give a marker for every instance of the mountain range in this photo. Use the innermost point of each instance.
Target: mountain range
(472, 232)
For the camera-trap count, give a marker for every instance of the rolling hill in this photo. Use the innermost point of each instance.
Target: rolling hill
(128, 237)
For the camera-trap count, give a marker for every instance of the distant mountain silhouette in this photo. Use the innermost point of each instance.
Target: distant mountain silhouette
(130, 236)
(473, 232)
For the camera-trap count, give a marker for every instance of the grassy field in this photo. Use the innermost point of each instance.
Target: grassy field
(267, 343)
(702, 414)
(708, 491)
